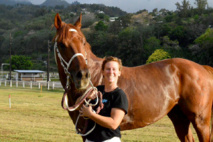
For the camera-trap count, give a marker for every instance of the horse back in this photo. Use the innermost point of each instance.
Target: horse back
(209, 69)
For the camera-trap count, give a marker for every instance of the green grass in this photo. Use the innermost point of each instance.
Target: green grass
(37, 116)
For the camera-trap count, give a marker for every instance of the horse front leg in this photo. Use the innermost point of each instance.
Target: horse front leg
(84, 139)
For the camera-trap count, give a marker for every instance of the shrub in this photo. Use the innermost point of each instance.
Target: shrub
(157, 55)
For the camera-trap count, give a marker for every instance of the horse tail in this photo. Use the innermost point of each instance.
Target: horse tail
(210, 70)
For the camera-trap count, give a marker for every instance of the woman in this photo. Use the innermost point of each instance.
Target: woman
(115, 105)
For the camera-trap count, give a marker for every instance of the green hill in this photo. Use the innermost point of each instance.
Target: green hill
(53, 3)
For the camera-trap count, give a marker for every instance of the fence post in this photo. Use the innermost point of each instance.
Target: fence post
(16, 83)
(9, 100)
(48, 85)
(23, 84)
(5, 83)
(39, 85)
(53, 85)
(11, 83)
(0, 82)
(31, 84)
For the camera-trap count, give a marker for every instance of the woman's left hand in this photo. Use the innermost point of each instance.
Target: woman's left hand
(93, 94)
(85, 111)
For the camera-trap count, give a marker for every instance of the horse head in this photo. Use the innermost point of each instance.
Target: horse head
(71, 56)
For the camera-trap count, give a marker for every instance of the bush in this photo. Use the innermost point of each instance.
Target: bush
(159, 54)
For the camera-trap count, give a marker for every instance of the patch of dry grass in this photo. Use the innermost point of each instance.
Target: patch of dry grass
(38, 117)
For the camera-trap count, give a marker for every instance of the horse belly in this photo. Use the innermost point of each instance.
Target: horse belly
(146, 112)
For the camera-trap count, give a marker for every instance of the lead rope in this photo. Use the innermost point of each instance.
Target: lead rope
(63, 63)
(87, 104)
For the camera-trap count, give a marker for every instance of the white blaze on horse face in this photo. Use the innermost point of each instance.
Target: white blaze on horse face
(73, 30)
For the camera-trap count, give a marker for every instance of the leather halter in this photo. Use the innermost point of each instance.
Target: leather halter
(65, 64)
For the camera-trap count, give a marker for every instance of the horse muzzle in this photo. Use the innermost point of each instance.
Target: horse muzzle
(81, 79)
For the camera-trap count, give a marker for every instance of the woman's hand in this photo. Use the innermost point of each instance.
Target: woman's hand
(86, 111)
(93, 94)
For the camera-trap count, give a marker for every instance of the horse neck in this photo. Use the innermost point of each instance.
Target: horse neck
(94, 65)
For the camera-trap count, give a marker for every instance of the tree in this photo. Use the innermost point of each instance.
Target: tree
(20, 62)
(205, 44)
(173, 48)
(184, 8)
(206, 39)
(155, 12)
(103, 43)
(88, 19)
(201, 5)
(159, 54)
(101, 26)
(153, 43)
(136, 43)
(179, 33)
(103, 17)
(168, 43)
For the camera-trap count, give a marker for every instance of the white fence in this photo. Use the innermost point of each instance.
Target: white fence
(31, 84)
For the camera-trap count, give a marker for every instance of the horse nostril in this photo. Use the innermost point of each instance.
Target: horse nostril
(87, 74)
(79, 75)
(83, 74)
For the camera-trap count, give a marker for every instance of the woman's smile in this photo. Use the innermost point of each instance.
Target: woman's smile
(111, 72)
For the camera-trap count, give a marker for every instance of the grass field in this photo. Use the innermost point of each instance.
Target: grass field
(37, 116)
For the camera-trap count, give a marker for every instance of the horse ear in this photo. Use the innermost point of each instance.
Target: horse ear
(78, 22)
(58, 21)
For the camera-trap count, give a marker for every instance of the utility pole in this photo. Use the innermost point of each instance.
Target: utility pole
(2, 69)
(48, 60)
(10, 57)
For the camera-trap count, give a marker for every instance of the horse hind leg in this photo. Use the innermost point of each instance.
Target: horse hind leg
(181, 124)
(201, 124)
(211, 127)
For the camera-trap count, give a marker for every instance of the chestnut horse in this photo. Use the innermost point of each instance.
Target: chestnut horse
(176, 87)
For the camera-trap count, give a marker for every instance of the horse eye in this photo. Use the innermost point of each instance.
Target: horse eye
(82, 40)
(61, 45)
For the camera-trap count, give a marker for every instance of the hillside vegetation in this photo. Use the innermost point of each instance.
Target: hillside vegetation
(185, 33)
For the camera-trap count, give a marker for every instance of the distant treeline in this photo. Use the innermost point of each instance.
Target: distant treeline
(186, 33)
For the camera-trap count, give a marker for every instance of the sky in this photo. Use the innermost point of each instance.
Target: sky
(132, 6)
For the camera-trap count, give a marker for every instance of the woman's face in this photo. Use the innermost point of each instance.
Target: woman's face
(111, 72)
